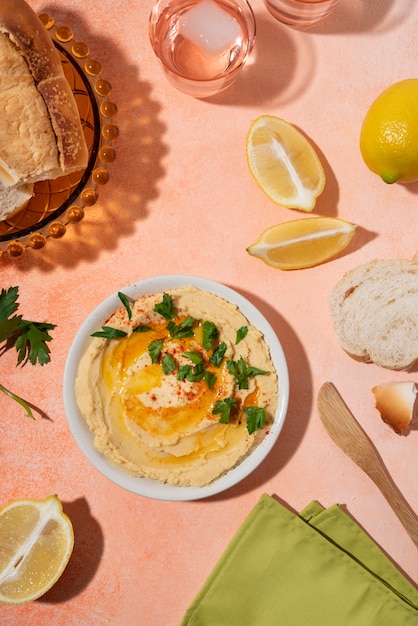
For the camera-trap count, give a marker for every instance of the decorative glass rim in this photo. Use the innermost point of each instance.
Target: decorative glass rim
(81, 189)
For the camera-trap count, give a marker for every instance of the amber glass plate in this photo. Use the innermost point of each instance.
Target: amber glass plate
(60, 202)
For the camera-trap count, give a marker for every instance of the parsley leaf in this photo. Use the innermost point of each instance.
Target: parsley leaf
(9, 327)
(125, 303)
(184, 329)
(168, 364)
(166, 307)
(210, 379)
(224, 408)
(31, 342)
(194, 356)
(183, 371)
(256, 417)
(154, 349)
(108, 332)
(210, 334)
(241, 333)
(8, 302)
(242, 372)
(141, 329)
(218, 354)
(193, 374)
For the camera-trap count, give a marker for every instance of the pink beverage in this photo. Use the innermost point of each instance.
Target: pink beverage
(301, 13)
(202, 44)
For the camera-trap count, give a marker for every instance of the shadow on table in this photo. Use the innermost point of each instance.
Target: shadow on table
(357, 16)
(300, 403)
(134, 175)
(275, 68)
(282, 63)
(86, 556)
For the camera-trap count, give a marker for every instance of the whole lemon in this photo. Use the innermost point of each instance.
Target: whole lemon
(389, 134)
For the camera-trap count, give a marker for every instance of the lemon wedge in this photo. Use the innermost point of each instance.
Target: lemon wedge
(303, 243)
(36, 542)
(284, 163)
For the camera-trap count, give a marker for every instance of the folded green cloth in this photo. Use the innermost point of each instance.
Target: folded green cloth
(317, 568)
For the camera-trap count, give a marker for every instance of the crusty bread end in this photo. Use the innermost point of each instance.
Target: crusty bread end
(396, 402)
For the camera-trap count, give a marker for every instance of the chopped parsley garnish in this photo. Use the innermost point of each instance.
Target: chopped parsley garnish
(218, 354)
(256, 417)
(166, 307)
(210, 334)
(183, 371)
(241, 334)
(195, 356)
(154, 349)
(193, 373)
(224, 408)
(210, 379)
(142, 329)
(126, 304)
(168, 364)
(29, 338)
(242, 372)
(196, 373)
(108, 332)
(184, 329)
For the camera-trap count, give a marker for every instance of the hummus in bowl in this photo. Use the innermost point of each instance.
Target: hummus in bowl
(176, 387)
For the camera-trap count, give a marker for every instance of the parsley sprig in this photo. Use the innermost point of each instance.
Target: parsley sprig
(242, 372)
(29, 338)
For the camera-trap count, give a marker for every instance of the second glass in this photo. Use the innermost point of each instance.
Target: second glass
(300, 13)
(202, 44)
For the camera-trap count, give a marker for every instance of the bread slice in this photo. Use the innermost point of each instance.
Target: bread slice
(374, 309)
(396, 402)
(41, 136)
(14, 199)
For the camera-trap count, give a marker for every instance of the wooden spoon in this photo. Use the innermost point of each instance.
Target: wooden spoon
(347, 433)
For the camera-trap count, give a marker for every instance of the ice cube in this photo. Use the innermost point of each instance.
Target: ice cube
(209, 27)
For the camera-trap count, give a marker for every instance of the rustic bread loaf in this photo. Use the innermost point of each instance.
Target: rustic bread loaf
(374, 309)
(41, 136)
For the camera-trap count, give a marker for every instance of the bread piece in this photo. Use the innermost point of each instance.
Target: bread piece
(374, 309)
(28, 149)
(41, 136)
(396, 403)
(14, 199)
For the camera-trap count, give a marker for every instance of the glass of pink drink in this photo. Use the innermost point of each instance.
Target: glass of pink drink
(300, 13)
(202, 44)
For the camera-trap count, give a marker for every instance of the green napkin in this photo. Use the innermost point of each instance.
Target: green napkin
(317, 568)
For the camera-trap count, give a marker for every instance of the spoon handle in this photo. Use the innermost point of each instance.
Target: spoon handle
(347, 433)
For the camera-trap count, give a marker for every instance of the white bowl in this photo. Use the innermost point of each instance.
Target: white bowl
(145, 486)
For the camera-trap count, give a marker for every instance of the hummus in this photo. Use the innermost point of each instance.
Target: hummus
(179, 397)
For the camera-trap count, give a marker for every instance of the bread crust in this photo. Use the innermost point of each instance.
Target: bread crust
(374, 309)
(396, 403)
(21, 24)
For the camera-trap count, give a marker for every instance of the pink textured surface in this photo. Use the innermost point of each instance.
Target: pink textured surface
(181, 200)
